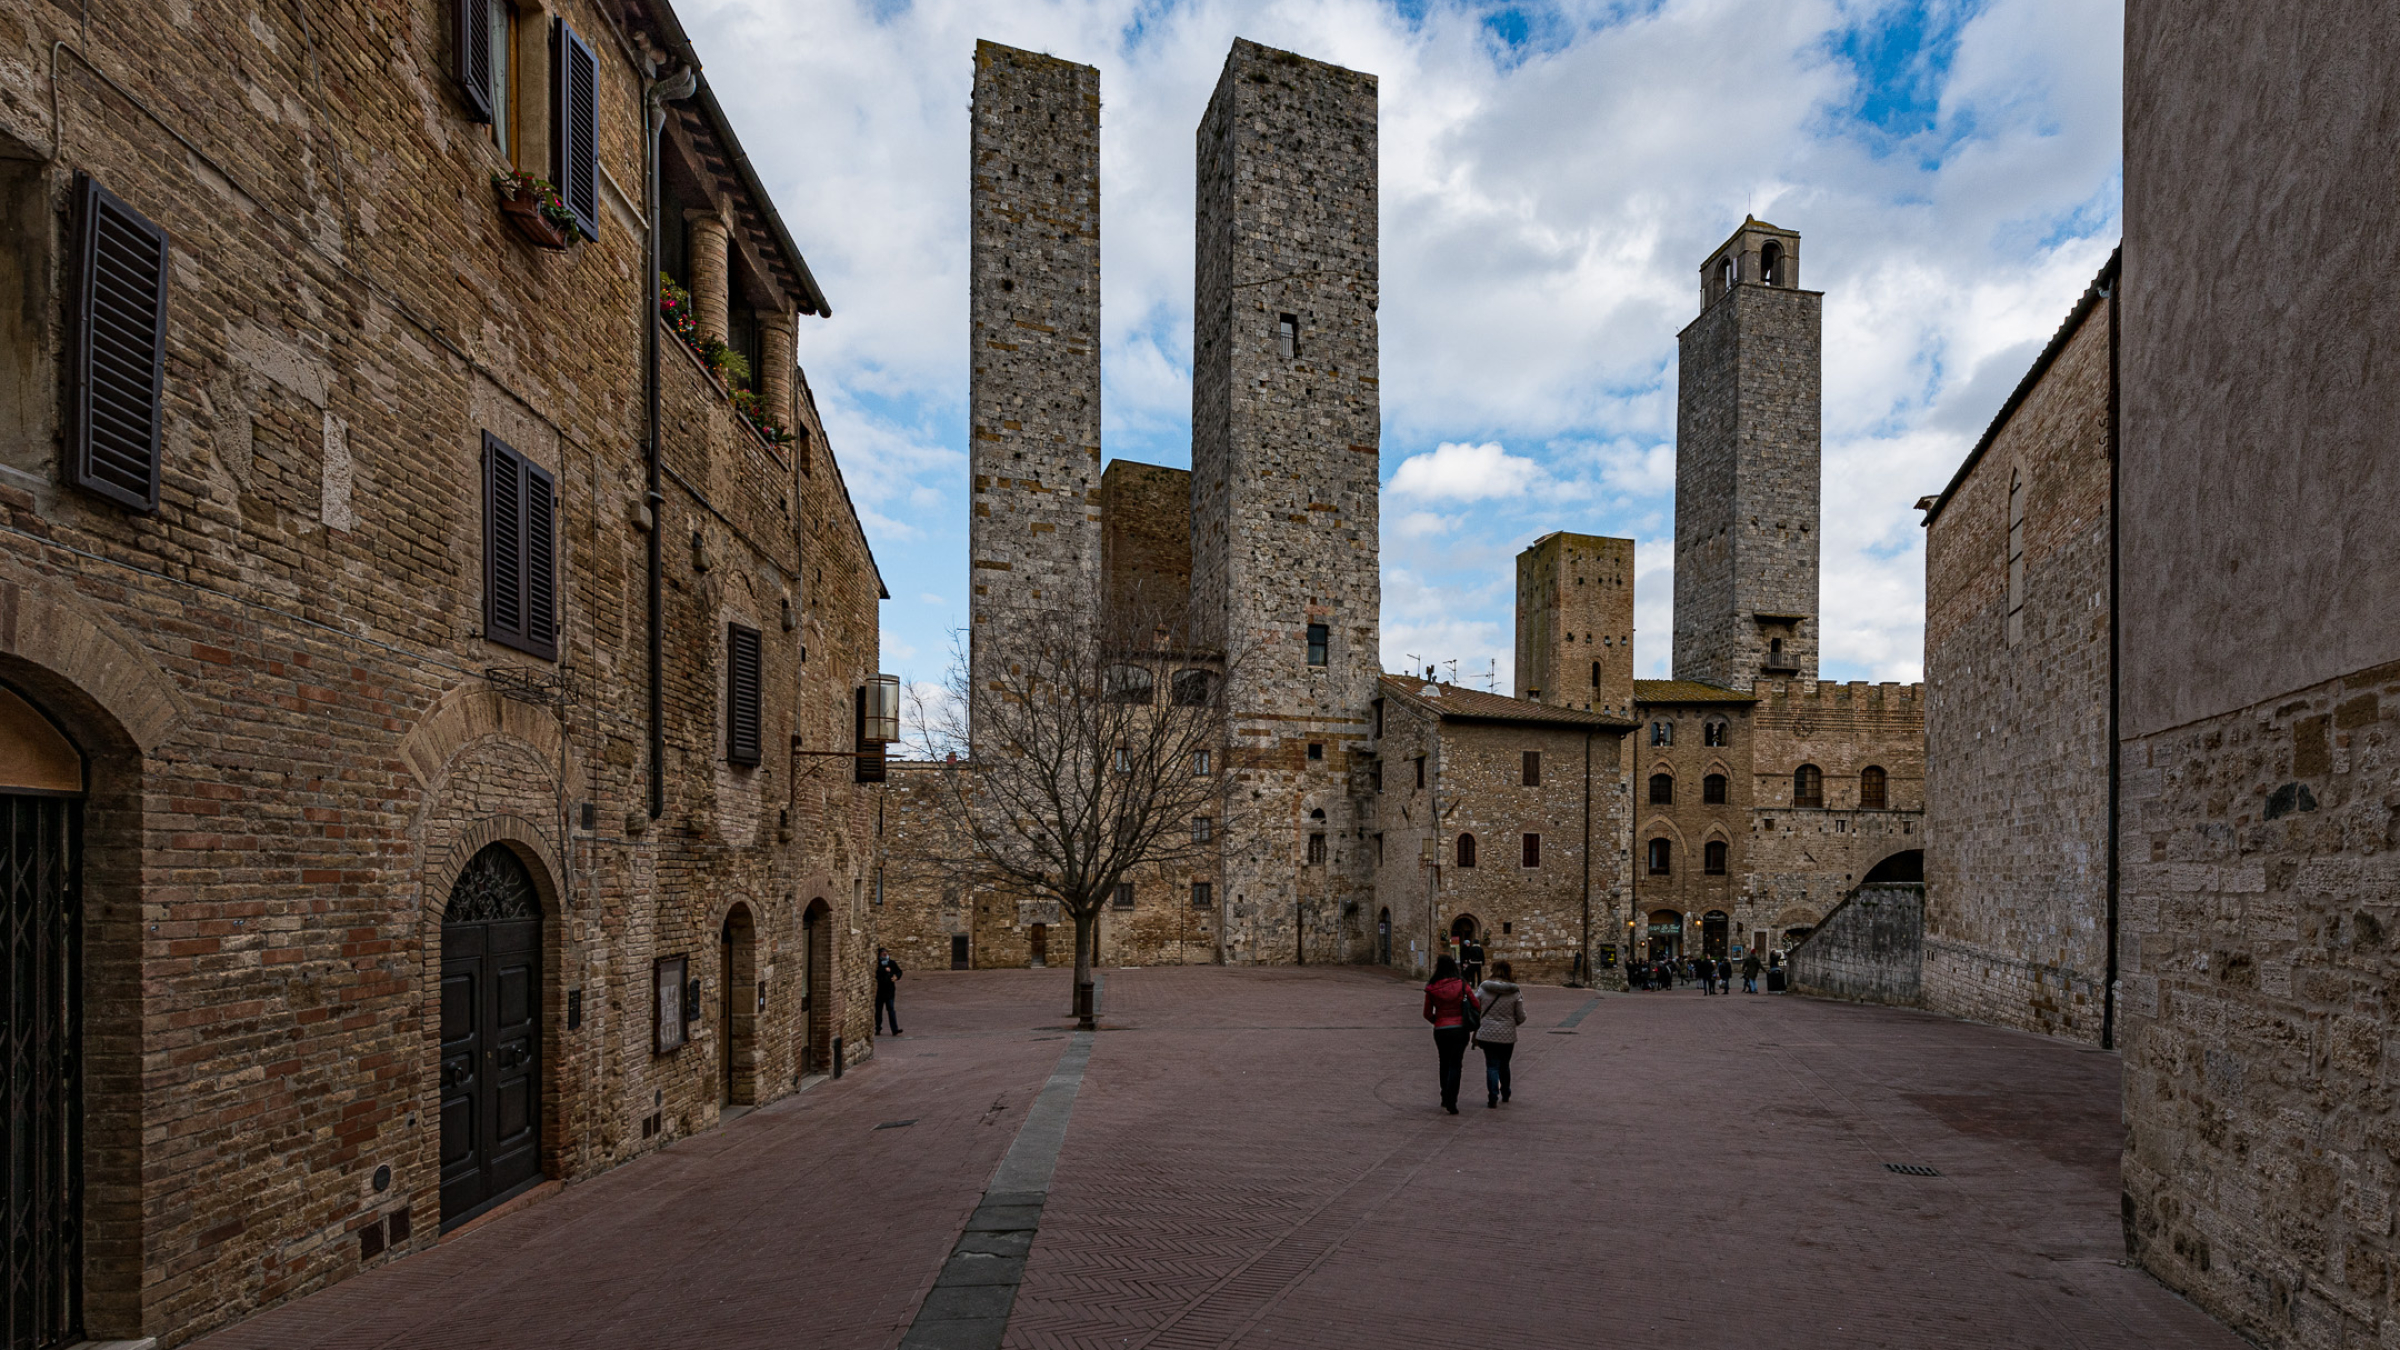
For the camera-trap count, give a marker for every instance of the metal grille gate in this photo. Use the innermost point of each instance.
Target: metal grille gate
(40, 846)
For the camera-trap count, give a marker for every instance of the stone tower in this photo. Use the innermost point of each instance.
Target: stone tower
(1575, 623)
(1285, 428)
(1033, 312)
(1747, 467)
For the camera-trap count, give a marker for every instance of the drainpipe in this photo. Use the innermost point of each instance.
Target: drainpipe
(673, 88)
(1589, 981)
(2108, 991)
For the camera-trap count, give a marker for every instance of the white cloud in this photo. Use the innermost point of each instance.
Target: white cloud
(1465, 473)
(1544, 213)
(930, 598)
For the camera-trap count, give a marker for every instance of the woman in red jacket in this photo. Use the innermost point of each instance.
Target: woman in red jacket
(1447, 999)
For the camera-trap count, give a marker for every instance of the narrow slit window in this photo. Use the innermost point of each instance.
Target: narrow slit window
(1320, 637)
(1287, 336)
(1466, 850)
(1533, 850)
(1533, 768)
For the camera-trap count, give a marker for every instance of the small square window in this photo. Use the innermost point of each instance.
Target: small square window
(1200, 764)
(1316, 750)
(1203, 895)
(1316, 849)
(1319, 637)
(1124, 896)
(1204, 828)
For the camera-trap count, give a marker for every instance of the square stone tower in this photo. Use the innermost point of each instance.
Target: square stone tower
(1747, 467)
(1285, 432)
(1575, 623)
(1033, 307)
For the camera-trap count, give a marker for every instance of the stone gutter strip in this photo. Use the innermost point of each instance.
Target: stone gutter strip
(969, 1305)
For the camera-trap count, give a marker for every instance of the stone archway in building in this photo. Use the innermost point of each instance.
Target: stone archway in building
(1464, 927)
(1716, 934)
(74, 727)
(494, 978)
(1665, 934)
(739, 1002)
(817, 995)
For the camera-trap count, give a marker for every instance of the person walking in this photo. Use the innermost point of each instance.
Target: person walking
(1450, 1006)
(887, 987)
(1750, 973)
(1503, 1012)
(1724, 974)
(1470, 960)
(1707, 971)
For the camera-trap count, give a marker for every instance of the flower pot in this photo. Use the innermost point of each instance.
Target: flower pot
(526, 214)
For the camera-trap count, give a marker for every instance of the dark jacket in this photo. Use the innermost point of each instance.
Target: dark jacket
(1445, 1003)
(1750, 966)
(887, 974)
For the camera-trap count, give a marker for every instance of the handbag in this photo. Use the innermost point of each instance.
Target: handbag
(1466, 1006)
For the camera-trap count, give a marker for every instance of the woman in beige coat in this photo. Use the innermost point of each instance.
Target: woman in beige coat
(1503, 1011)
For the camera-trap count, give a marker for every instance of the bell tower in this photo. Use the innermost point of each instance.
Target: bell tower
(1748, 467)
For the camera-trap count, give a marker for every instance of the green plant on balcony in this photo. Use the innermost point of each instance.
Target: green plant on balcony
(675, 306)
(753, 411)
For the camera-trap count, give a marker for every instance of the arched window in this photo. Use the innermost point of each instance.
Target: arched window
(1712, 732)
(1127, 684)
(1712, 790)
(1871, 788)
(1466, 850)
(1662, 789)
(1808, 786)
(1662, 857)
(1595, 674)
(1712, 858)
(1192, 689)
(1725, 274)
(1770, 263)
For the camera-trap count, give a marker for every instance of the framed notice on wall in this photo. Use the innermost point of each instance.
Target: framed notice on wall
(667, 977)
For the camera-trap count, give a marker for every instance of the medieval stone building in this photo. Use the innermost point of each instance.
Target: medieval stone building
(399, 812)
(1762, 797)
(2018, 673)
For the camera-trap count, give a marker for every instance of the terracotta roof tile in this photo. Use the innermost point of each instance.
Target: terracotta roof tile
(1457, 703)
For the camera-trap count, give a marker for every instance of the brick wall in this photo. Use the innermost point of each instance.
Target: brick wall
(2016, 725)
(282, 673)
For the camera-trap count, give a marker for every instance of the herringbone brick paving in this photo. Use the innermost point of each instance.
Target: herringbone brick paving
(1257, 1158)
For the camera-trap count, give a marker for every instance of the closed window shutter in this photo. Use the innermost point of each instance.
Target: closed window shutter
(118, 349)
(741, 694)
(471, 22)
(503, 543)
(520, 552)
(541, 563)
(578, 130)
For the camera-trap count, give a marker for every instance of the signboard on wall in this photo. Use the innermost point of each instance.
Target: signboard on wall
(667, 979)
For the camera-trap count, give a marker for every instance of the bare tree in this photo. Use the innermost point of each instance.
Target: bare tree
(1096, 749)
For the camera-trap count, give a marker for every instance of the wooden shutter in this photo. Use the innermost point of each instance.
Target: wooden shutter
(520, 552)
(577, 129)
(118, 349)
(741, 694)
(472, 22)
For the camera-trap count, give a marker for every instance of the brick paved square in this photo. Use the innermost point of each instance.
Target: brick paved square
(1258, 1158)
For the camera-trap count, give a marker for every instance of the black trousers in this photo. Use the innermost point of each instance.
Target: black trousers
(883, 1005)
(1451, 1044)
(1495, 1066)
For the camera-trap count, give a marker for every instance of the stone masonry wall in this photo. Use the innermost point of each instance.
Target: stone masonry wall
(2017, 748)
(282, 674)
(1146, 538)
(1575, 616)
(2260, 910)
(1870, 949)
(1747, 475)
(1285, 469)
(1690, 822)
(1804, 860)
(1033, 315)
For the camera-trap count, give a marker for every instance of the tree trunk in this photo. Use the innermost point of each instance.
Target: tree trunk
(1085, 940)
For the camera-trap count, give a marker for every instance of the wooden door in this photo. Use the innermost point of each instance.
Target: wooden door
(491, 1036)
(1040, 937)
(958, 951)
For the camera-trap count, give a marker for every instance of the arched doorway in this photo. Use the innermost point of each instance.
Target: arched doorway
(737, 1012)
(816, 988)
(1463, 927)
(1666, 934)
(491, 1084)
(1383, 937)
(1715, 941)
(42, 782)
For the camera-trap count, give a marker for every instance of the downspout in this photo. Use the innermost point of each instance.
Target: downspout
(1589, 980)
(2108, 991)
(673, 88)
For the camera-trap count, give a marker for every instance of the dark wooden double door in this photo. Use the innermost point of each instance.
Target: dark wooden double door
(40, 847)
(491, 1085)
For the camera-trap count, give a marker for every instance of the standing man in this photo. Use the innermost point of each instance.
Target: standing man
(1750, 973)
(887, 983)
(1470, 959)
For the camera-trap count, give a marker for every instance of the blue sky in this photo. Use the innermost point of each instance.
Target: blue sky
(1552, 176)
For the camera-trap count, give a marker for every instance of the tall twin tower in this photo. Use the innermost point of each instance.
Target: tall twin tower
(1271, 538)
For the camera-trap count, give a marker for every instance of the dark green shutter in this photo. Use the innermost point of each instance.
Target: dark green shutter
(577, 123)
(742, 676)
(520, 552)
(473, 21)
